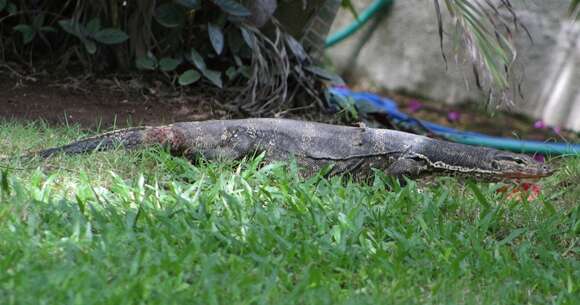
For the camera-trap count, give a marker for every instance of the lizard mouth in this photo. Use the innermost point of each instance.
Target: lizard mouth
(541, 172)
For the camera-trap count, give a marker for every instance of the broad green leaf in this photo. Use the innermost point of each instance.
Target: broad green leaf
(69, 26)
(232, 72)
(249, 37)
(72, 27)
(111, 36)
(94, 25)
(246, 71)
(296, 48)
(90, 45)
(146, 63)
(38, 21)
(233, 8)
(216, 36)
(12, 9)
(238, 61)
(170, 15)
(3, 4)
(27, 31)
(191, 4)
(214, 76)
(168, 64)
(189, 77)
(197, 60)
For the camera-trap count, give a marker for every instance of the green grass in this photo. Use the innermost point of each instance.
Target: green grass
(146, 228)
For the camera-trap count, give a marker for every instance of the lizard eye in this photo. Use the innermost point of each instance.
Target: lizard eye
(511, 158)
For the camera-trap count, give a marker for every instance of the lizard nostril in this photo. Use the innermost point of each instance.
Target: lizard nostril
(547, 169)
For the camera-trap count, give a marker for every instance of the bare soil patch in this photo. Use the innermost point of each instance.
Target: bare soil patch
(102, 102)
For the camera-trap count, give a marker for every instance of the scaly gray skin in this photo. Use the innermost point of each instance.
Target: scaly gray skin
(352, 150)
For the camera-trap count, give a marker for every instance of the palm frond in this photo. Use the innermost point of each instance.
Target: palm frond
(575, 9)
(349, 6)
(485, 29)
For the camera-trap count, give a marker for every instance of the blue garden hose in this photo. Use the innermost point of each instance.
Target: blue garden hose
(368, 102)
(362, 19)
(379, 104)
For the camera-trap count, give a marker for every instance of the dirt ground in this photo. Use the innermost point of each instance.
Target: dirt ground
(100, 102)
(119, 102)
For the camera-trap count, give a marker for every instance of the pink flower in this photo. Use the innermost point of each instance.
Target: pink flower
(453, 116)
(414, 106)
(539, 124)
(539, 158)
(557, 130)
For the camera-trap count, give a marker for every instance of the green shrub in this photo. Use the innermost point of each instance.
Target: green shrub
(184, 40)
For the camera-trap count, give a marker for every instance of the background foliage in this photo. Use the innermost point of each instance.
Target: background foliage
(185, 40)
(215, 41)
(164, 34)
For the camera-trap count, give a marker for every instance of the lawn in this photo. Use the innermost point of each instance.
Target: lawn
(147, 228)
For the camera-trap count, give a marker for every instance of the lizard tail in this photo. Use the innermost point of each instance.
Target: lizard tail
(126, 138)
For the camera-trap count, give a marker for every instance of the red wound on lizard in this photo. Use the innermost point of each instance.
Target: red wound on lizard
(166, 136)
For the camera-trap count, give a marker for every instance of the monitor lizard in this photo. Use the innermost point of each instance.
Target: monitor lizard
(348, 150)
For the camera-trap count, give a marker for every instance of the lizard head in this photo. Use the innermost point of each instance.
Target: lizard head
(508, 165)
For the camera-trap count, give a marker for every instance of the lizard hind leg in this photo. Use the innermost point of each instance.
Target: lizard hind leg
(406, 167)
